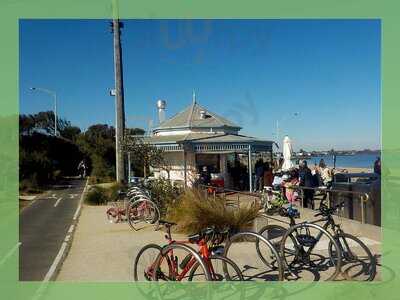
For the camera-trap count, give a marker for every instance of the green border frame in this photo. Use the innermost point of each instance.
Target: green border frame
(12, 10)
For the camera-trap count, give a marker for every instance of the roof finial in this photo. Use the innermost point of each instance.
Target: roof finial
(194, 97)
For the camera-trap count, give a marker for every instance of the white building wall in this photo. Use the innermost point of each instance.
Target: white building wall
(175, 161)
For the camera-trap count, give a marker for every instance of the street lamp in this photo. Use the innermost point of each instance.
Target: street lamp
(52, 93)
(295, 114)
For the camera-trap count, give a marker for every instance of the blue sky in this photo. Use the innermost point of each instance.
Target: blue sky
(254, 72)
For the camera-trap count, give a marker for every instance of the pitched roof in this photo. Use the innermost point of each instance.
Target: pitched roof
(190, 118)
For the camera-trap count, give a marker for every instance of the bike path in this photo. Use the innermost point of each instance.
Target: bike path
(43, 227)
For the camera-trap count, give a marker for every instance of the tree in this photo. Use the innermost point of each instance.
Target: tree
(134, 131)
(71, 132)
(44, 120)
(98, 145)
(144, 154)
(26, 124)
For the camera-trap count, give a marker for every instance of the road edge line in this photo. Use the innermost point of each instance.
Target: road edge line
(62, 254)
(57, 202)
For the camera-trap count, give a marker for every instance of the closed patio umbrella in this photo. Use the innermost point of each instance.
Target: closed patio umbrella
(287, 154)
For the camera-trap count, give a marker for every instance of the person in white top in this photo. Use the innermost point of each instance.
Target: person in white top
(325, 173)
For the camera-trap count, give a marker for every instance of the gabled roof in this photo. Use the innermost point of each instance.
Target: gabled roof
(190, 118)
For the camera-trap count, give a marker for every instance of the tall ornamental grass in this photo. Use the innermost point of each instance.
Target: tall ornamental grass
(193, 211)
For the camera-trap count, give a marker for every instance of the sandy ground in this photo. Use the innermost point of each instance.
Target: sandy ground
(354, 170)
(104, 252)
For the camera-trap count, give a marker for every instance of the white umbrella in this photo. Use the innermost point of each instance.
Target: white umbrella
(287, 154)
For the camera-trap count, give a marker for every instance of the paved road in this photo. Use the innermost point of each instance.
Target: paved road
(43, 227)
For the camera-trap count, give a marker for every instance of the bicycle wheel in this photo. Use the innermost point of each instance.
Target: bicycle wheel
(170, 268)
(141, 211)
(221, 269)
(274, 234)
(113, 215)
(241, 248)
(305, 253)
(143, 266)
(358, 264)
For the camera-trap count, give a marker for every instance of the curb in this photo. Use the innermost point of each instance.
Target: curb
(66, 245)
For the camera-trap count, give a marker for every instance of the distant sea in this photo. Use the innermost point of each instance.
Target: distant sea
(346, 161)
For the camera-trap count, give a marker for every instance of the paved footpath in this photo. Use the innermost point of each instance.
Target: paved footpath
(104, 252)
(44, 226)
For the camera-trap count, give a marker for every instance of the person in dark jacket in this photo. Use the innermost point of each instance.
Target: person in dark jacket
(205, 177)
(259, 166)
(307, 180)
(377, 166)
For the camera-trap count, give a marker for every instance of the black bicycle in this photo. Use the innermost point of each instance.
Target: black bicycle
(345, 251)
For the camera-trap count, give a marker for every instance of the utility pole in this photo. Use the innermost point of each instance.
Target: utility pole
(119, 102)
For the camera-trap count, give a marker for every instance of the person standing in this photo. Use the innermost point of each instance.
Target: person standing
(268, 176)
(306, 180)
(259, 175)
(290, 190)
(325, 173)
(205, 177)
(377, 166)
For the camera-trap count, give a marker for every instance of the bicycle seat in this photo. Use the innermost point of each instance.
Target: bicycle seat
(163, 222)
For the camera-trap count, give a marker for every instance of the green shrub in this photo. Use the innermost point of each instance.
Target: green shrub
(98, 180)
(103, 193)
(112, 191)
(101, 169)
(30, 185)
(193, 212)
(163, 193)
(96, 196)
(57, 174)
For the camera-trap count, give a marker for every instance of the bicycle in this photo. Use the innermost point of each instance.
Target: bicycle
(272, 201)
(297, 244)
(349, 259)
(349, 245)
(142, 210)
(238, 248)
(136, 207)
(192, 265)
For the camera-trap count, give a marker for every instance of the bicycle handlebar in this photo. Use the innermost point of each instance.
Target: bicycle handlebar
(325, 211)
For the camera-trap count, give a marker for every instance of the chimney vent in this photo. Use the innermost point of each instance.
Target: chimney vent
(161, 104)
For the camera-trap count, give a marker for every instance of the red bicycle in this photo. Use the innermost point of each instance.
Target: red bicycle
(178, 262)
(140, 210)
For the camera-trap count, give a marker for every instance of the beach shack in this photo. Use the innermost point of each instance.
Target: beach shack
(196, 139)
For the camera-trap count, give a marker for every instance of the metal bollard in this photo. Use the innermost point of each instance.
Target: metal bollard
(363, 199)
(362, 210)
